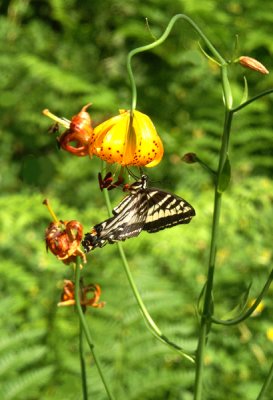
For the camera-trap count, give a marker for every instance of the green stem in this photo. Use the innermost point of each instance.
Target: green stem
(226, 87)
(147, 318)
(250, 310)
(83, 367)
(206, 167)
(246, 103)
(207, 307)
(208, 304)
(266, 384)
(161, 40)
(86, 328)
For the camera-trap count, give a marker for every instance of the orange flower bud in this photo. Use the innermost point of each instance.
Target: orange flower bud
(252, 63)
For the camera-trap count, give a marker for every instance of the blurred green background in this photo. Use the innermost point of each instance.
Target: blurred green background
(61, 55)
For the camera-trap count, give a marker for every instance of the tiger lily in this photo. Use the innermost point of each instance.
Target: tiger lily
(68, 295)
(129, 139)
(63, 238)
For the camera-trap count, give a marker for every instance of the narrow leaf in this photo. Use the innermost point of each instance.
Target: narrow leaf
(245, 93)
(240, 307)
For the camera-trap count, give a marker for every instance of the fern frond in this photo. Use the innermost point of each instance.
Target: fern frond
(19, 387)
(16, 360)
(21, 338)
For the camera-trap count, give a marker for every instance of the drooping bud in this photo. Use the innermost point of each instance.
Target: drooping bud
(189, 158)
(252, 63)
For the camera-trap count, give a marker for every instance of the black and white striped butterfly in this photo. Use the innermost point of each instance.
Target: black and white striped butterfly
(144, 209)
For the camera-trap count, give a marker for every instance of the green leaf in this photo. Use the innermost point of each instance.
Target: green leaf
(241, 306)
(245, 93)
(224, 178)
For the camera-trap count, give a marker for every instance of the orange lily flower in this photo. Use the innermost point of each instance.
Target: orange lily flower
(68, 295)
(79, 133)
(128, 139)
(63, 238)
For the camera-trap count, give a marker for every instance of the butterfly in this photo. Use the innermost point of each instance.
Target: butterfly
(144, 209)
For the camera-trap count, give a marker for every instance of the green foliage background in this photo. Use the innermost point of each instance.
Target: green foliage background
(61, 55)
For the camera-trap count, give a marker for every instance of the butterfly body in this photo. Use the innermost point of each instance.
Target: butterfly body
(144, 209)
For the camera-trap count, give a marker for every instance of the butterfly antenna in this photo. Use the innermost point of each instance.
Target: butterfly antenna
(131, 173)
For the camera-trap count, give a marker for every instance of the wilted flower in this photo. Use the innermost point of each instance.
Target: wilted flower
(63, 238)
(68, 295)
(252, 63)
(128, 139)
(79, 134)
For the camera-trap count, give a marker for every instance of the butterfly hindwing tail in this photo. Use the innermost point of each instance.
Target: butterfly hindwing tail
(166, 210)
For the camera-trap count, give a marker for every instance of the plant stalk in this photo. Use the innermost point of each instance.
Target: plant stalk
(86, 329)
(83, 366)
(208, 303)
(266, 384)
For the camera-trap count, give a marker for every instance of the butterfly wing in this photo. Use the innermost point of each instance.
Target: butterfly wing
(166, 210)
(128, 220)
(147, 209)
(130, 215)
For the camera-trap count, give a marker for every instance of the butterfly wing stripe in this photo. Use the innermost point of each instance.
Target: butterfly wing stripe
(165, 222)
(166, 210)
(126, 202)
(164, 201)
(127, 223)
(137, 213)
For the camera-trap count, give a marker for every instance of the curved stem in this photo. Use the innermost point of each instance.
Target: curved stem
(161, 40)
(86, 328)
(148, 319)
(206, 167)
(246, 103)
(250, 310)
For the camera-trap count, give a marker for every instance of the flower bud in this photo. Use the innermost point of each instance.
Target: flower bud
(189, 158)
(252, 63)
